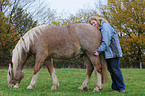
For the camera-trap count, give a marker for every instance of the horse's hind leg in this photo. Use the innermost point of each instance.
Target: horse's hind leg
(39, 61)
(97, 66)
(90, 69)
(51, 69)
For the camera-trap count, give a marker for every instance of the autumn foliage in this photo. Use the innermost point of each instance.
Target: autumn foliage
(8, 39)
(12, 26)
(132, 48)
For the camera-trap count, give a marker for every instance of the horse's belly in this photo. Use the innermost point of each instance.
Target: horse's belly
(66, 53)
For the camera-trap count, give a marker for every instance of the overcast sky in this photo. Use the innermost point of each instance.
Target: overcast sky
(63, 8)
(71, 6)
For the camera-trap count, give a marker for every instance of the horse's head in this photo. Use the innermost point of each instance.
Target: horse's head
(14, 79)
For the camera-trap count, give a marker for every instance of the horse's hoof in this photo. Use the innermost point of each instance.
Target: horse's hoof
(96, 90)
(54, 87)
(84, 88)
(31, 87)
(80, 88)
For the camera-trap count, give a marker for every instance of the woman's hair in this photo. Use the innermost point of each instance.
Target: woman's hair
(98, 19)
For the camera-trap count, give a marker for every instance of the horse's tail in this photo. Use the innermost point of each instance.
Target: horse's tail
(104, 69)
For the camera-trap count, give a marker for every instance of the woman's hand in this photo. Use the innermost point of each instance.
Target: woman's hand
(96, 53)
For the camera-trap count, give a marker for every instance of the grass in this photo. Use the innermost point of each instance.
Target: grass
(70, 80)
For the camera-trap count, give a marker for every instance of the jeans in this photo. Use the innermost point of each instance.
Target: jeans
(116, 74)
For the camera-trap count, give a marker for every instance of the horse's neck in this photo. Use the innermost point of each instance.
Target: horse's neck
(19, 59)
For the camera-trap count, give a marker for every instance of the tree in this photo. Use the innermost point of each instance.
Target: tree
(22, 21)
(3, 4)
(81, 16)
(127, 17)
(131, 48)
(18, 22)
(7, 40)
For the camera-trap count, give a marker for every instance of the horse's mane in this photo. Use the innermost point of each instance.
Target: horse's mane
(23, 45)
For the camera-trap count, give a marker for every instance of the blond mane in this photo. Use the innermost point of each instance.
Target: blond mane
(24, 45)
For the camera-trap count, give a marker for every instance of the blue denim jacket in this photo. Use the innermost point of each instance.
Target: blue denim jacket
(110, 42)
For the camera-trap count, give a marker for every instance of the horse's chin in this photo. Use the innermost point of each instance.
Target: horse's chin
(16, 86)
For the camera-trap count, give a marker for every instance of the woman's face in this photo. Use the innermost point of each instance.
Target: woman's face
(94, 23)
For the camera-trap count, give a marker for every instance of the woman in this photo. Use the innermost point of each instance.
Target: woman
(111, 47)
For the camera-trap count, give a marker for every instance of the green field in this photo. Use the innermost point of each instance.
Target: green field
(69, 81)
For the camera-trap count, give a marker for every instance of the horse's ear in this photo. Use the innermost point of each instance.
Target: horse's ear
(10, 67)
(11, 64)
(10, 72)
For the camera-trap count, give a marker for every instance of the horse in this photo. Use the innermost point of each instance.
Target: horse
(58, 42)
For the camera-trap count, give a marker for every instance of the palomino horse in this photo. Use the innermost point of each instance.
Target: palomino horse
(57, 42)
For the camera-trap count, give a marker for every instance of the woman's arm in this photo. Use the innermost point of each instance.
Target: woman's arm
(106, 37)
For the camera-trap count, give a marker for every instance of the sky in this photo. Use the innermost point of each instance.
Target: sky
(70, 6)
(64, 8)
(67, 7)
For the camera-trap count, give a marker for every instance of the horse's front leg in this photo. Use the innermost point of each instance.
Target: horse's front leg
(51, 69)
(90, 69)
(33, 81)
(39, 61)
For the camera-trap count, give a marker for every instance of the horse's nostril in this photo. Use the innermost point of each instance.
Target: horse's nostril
(11, 86)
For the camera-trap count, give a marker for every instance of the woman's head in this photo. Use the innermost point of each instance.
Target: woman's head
(96, 21)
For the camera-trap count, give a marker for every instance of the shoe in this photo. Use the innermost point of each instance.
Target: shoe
(121, 90)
